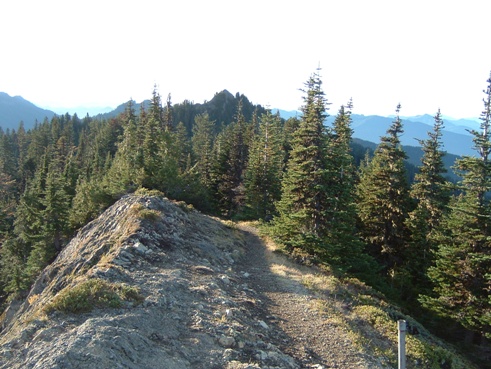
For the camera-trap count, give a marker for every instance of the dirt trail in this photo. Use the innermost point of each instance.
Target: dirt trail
(305, 330)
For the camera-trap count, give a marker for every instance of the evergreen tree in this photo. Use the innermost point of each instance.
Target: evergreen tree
(301, 221)
(8, 154)
(383, 200)
(222, 178)
(153, 142)
(344, 248)
(264, 170)
(13, 257)
(432, 194)
(22, 142)
(202, 147)
(50, 209)
(127, 171)
(168, 119)
(231, 156)
(7, 204)
(461, 274)
(92, 196)
(182, 144)
(29, 228)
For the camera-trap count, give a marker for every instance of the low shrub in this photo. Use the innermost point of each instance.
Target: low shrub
(93, 293)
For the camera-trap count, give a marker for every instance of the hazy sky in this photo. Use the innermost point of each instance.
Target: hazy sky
(424, 54)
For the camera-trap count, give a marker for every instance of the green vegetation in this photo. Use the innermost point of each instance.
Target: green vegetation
(93, 293)
(140, 211)
(372, 322)
(423, 243)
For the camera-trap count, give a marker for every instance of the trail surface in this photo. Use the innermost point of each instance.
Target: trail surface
(305, 331)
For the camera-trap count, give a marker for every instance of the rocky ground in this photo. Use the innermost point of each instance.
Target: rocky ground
(210, 295)
(304, 330)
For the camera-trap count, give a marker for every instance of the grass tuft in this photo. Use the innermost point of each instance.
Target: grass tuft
(93, 293)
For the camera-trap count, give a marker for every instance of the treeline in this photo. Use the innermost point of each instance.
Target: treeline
(422, 240)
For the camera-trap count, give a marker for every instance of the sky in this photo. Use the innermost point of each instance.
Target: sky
(426, 55)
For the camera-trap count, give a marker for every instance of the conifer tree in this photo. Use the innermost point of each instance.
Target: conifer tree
(344, 248)
(8, 154)
(202, 147)
(383, 200)
(432, 194)
(182, 144)
(168, 117)
(13, 257)
(461, 274)
(53, 212)
(301, 221)
(231, 155)
(153, 142)
(29, 224)
(22, 142)
(264, 170)
(127, 171)
(7, 204)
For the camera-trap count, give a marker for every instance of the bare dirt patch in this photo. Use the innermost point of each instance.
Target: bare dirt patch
(309, 333)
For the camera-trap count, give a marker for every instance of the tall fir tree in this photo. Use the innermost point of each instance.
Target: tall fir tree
(128, 169)
(230, 160)
(168, 117)
(153, 142)
(383, 200)
(8, 203)
(265, 169)
(53, 223)
(301, 221)
(202, 147)
(343, 245)
(431, 192)
(182, 144)
(461, 274)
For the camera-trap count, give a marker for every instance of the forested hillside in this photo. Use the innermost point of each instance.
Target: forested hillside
(419, 239)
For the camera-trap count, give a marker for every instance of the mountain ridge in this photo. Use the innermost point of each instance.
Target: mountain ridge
(456, 138)
(16, 109)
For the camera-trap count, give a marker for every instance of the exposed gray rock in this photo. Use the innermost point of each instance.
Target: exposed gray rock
(192, 313)
(226, 341)
(263, 324)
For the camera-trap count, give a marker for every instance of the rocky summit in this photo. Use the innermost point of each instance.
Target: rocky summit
(149, 284)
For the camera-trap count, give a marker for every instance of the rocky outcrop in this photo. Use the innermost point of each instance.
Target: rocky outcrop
(149, 284)
(155, 284)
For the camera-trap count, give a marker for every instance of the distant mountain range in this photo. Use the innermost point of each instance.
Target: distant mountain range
(456, 138)
(15, 109)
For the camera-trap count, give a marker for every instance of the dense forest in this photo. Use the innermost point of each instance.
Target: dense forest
(421, 240)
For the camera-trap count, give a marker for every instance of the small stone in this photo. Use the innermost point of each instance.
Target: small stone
(263, 324)
(228, 353)
(202, 269)
(225, 279)
(226, 341)
(121, 263)
(246, 275)
(140, 248)
(261, 355)
(126, 255)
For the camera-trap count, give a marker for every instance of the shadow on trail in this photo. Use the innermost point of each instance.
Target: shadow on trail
(274, 279)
